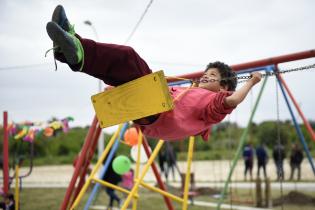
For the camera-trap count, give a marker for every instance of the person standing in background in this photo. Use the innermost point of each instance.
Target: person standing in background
(296, 159)
(262, 159)
(278, 156)
(248, 156)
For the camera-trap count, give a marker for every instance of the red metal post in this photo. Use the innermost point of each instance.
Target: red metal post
(157, 174)
(5, 153)
(258, 63)
(306, 123)
(87, 161)
(78, 165)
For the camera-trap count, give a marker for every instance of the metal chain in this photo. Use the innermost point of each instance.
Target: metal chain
(268, 74)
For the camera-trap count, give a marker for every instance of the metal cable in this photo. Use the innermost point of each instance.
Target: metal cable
(138, 23)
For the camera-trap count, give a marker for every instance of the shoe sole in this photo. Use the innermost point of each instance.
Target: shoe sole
(64, 41)
(57, 17)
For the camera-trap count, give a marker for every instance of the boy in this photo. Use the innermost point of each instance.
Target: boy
(195, 110)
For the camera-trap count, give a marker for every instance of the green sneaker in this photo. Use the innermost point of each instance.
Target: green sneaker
(69, 45)
(59, 16)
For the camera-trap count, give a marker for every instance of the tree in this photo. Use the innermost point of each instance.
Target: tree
(268, 133)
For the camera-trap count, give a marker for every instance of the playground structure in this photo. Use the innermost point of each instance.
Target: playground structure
(270, 65)
(77, 182)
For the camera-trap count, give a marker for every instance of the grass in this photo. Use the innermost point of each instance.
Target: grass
(50, 199)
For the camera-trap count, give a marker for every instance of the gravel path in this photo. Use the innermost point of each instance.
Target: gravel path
(207, 173)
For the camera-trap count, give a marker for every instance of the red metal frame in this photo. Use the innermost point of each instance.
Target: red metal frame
(258, 63)
(87, 162)
(5, 153)
(307, 125)
(78, 166)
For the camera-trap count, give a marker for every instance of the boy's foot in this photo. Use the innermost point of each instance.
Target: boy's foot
(69, 45)
(59, 16)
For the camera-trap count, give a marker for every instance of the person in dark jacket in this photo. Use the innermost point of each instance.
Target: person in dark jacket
(278, 156)
(171, 161)
(262, 159)
(248, 156)
(296, 159)
(112, 177)
(162, 162)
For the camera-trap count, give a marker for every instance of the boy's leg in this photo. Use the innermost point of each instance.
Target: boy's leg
(114, 64)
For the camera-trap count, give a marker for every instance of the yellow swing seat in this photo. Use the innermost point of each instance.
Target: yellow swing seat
(142, 97)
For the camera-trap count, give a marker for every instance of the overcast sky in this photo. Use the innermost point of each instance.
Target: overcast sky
(177, 36)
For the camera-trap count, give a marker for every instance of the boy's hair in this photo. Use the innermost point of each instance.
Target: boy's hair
(229, 77)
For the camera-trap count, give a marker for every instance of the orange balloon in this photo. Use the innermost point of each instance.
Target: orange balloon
(131, 136)
(48, 132)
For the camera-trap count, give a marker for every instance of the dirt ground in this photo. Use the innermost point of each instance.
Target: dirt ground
(296, 198)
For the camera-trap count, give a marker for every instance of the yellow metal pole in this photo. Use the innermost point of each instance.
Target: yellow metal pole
(17, 190)
(158, 190)
(95, 169)
(135, 201)
(115, 187)
(187, 178)
(144, 171)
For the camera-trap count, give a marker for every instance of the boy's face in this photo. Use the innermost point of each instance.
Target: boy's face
(211, 80)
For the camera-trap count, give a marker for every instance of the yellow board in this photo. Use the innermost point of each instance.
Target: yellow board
(145, 96)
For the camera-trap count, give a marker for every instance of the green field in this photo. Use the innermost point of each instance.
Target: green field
(50, 199)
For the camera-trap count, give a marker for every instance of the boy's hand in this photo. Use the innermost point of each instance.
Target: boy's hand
(256, 77)
(238, 96)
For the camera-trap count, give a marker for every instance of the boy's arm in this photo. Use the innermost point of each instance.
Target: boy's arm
(238, 96)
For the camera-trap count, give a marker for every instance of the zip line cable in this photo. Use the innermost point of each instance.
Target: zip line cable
(138, 23)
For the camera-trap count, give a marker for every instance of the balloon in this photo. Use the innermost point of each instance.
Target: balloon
(65, 125)
(121, 164)
(70, 118)
(22, 133)
(134, 154)
(131, 136)
(12, 129)
(55, 125)
(30, 136)
(48, 132)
